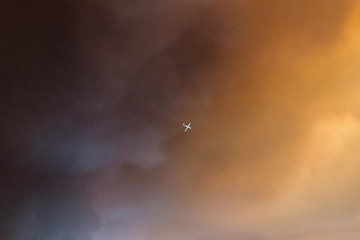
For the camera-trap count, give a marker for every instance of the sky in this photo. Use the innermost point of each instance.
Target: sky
(94, 93)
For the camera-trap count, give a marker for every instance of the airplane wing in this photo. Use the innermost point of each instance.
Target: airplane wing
(187, 126)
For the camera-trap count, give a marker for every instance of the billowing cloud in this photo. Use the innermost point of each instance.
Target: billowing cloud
(95, 92)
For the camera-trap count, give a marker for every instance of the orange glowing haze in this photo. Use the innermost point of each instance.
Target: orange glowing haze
(278, 156)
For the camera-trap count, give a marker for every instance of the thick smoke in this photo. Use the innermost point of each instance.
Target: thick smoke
(94, 93)
(88, 85)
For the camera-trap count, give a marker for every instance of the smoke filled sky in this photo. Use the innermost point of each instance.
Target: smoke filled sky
(94, 93)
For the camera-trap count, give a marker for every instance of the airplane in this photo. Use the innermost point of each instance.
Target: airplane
(186, 126)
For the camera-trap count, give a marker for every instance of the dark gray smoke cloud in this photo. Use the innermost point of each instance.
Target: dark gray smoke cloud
(87, 85)
(92, 96)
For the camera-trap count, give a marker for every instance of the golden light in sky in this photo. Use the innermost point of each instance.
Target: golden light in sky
(95, 94)
(278, 156)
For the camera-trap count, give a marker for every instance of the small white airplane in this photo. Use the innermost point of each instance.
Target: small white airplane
(186, 126)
